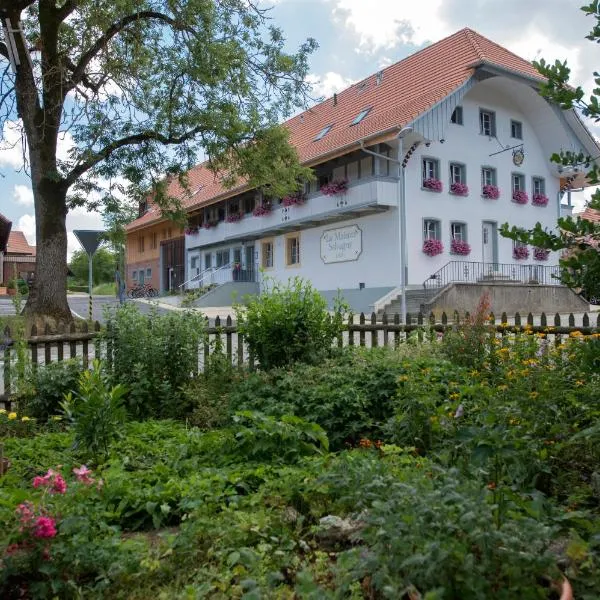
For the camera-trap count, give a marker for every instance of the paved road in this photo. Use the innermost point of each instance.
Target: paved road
(79, 305)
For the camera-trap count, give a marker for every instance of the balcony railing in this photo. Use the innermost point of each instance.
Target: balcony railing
(223, 274)
(476, 272)
(364, 196)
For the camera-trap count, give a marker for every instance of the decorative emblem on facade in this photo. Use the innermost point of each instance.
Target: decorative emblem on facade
(518, 157)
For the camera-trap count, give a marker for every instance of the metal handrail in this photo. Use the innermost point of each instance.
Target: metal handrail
(478, 272)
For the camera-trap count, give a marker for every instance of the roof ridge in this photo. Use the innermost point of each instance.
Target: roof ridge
(471, 36)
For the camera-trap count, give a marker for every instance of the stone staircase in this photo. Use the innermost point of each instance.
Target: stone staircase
(414, 301)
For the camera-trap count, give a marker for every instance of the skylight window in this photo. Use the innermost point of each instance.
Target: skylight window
(323, 133)
(361, 115)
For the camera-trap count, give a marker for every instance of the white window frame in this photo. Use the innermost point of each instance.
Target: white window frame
(220, 256)
(518, 125)
(268, 251)
(461, 170)
(292, 256)
(208, 260)
(491, 115)
(520, 186)
(430, 168)
(432, 229)
(458, 231)
(538, 185)
(493, 176)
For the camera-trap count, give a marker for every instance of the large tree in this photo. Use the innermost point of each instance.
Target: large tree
(143, 88)
(578, 239)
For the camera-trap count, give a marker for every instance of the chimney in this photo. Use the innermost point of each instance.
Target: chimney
(379, 77)
(335, 99)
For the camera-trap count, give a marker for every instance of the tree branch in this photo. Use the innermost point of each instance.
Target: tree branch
(110, 33)
(66, 9)
(129, 140)
(4, 50)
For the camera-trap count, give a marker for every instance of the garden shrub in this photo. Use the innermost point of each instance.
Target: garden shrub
(289, 323)
(349, 396)
(153, 356)
(49, 385)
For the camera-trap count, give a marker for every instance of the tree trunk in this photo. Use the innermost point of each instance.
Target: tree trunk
(47, 303)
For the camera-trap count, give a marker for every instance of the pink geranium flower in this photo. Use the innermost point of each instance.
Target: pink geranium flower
(83, 475)
(45, 527)
(52, 480)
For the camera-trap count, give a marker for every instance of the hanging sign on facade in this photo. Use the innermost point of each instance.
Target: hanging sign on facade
(341, 245)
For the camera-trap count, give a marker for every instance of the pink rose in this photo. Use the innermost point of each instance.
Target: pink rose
(45, 527)
(83, 475)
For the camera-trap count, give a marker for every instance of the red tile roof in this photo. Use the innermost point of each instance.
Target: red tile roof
(397, 96)
(590, 214)
(18, 244)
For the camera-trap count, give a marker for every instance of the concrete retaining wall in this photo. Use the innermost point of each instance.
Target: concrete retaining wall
(509, 298)
(228, 293)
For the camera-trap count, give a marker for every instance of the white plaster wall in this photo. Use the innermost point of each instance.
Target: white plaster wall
(464, 144)
(377, 266)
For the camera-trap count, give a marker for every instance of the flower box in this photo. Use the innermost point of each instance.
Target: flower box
(234, 217)
(433, 247)
(460, 247)
(541, 254)
(262, 210)
(520, 252)
(459, 189)
(491, 192)
(520, 197)
(433, 184)
(335, 187)
(297, 199)
(210, 224)
(539, 200)
(191, 230)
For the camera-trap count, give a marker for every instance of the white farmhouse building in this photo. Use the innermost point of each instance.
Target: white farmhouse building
(416, 167)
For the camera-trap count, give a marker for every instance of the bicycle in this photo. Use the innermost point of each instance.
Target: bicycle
(142, 291)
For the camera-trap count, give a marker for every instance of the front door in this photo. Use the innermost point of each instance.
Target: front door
(489, 236)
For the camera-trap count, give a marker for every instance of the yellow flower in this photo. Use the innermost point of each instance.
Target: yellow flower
(534, 395)
(579, 383)
(502, 387)
(454, 396)
(403, 378)
(2, 411)
(541, 335)
(575, 334)
(12, 416)
(57, 418)
(513, 421)
(25, 419)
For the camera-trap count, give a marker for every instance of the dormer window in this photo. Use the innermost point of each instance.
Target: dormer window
(361, 115)
(323, 133)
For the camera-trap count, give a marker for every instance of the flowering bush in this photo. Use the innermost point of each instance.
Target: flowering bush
(433, 247)
(52, 481)
(539, 200)
(491, 192)
(541, 253)
(262, 210)
(520, 252)
(459, 189)
(234, 217)
(460, 247)
(11, 425)
(520, 197)
(432, 184)
(297, 198)
(335, 187)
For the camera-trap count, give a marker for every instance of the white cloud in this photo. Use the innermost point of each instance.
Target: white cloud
(329, 84)
(23, 195)
(26, 224)
(391, 23)
(11, 146)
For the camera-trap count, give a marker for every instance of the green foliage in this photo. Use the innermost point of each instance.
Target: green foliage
(95, 413)
(350, 396)
(49, 385)
(289, 323)
(103, 266)
(192, 295)
(153, 356)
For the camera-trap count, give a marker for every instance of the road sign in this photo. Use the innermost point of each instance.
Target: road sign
(90, 240)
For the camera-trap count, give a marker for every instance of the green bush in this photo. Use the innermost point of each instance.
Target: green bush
(95, 413)
(289, 323)
(350, 396)
(49, 385)
(153, 356)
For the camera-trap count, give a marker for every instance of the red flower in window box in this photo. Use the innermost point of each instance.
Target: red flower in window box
(210, 224)
(432, 184)
(297, 198)
(234, 217)
(262, 210)
(491, 192)
(191, 230)
(459, 189)
(335, 187)
(541, 254)
(520, 197)
(460, 247)
(433, 247)
(520, 252)
(539, 200)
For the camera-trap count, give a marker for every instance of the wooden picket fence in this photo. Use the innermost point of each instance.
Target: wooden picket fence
(361, 330)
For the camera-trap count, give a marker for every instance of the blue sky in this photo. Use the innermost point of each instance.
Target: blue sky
(357, 38)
